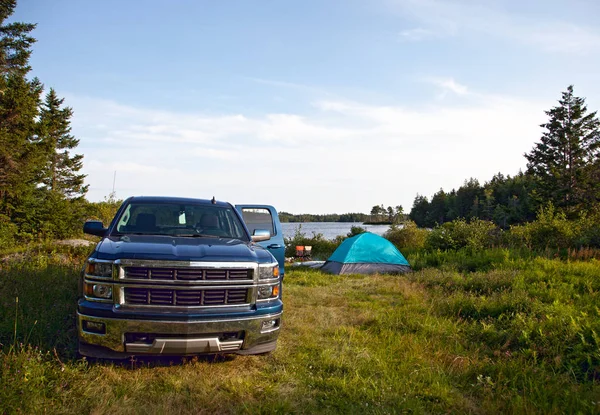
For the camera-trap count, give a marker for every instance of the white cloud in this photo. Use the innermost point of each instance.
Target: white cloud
(448, 85)
(456, 17)
(416, 34)
(342, 156)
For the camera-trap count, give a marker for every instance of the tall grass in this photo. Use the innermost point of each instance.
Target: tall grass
(517, 335)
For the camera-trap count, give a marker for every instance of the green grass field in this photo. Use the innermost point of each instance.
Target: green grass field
(520, 336)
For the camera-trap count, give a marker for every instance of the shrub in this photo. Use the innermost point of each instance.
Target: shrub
(409, 236)
(8, 230)
(477, 234)
(551, 229)
(589, 230)
(356, 230)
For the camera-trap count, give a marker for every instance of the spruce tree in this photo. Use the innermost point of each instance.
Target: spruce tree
(60, 172)
(562, 162)
(19, 100)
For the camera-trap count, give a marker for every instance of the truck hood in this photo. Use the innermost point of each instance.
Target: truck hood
(169, 248)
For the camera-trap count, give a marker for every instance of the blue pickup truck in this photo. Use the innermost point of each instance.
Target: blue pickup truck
(179, 276)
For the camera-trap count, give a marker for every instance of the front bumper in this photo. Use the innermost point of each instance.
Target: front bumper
(122, 337)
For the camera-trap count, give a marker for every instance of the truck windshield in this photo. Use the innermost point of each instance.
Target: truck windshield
(175, 219)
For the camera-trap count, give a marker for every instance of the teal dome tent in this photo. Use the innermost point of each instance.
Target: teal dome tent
(366, 253)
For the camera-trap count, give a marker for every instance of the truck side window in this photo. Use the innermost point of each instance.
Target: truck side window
(258, 218)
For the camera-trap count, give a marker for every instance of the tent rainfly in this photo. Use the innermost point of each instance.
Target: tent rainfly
(366, 253)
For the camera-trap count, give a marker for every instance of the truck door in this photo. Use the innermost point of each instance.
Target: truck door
(265, 217)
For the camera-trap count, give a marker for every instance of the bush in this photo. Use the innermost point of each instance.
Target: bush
(589, 231)
(409, 236)
(477, 234)
(8, 230)
(105, 210)
(356, 230)
(551, 229)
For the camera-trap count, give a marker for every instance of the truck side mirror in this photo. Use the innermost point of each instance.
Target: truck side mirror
(94, 227)
(261, 235)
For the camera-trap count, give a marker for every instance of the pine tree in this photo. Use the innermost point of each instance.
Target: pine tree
(418, 213)
(60, 173)
(19, 100)
(562, 162)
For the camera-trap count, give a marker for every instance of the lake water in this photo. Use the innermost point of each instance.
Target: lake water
(329, 229)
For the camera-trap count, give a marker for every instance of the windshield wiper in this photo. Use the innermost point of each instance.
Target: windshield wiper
(196, 235)
(145, 234)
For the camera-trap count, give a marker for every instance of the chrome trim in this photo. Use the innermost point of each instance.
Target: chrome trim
(114, 338)
(266, 300)
(100, 300)
(269, 280)
(123, 263)
(185, 288)
(272, 316)
(183, 264)
(184, 346)
(95, 260)
(171, 308)
(184, 284)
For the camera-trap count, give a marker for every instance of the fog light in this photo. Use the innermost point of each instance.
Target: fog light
(102, 291)
(269, 325)
(94, 327)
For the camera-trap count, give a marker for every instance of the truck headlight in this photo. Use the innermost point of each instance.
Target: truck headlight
(99, 269)
(268, 271)
(268, 291)
(101, 291)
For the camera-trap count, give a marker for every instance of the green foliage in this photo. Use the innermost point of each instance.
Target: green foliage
(407, 237)
(41, 191)
(503, 200)
(60, 172)
(356, 230)
(333, 217)
(8, 231)
(564, 160)
(589, 229)
(551, 229)
(477, 234)
(420, 208)
(104, 211)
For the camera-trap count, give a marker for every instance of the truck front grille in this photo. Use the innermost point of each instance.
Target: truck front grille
(185, 298)
(188, 274)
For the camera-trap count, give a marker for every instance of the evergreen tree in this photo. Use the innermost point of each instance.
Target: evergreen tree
(19, 100)
(467, 199)
(420, 208)
(562, 162)
(436, 215)
(60, 173)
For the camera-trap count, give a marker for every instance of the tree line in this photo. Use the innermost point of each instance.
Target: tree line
(332, 217)
(379, 214)
(563, 169)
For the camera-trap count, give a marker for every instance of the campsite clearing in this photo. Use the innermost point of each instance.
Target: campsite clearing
(518, 338)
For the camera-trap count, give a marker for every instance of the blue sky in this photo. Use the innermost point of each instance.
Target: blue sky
(312, 106)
